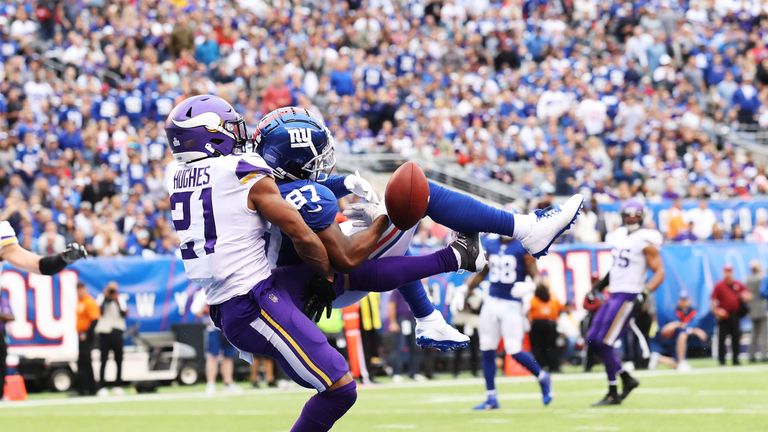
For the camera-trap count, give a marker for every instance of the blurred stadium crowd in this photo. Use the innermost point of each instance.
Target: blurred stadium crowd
(615, 98)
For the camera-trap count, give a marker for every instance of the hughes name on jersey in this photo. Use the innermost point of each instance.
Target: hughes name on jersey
(218, 232)
(630, 271)
(506, 266)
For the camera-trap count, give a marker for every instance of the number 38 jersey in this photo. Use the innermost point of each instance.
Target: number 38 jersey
(629, 271)
(222, 240)
(506, 265)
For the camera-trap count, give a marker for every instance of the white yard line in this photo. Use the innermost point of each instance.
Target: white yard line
(377, 387)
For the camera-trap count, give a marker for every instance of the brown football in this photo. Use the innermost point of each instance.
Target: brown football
(407, 196)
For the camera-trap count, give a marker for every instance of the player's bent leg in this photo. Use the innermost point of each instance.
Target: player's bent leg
(609, 324)
(268, 322)
(536, 231)
(323, 409)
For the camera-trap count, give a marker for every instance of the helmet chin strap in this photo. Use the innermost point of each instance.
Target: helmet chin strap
(632, 227)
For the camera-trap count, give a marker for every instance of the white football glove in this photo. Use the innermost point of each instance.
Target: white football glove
(363, 214)
(361, 187)
(522, 289)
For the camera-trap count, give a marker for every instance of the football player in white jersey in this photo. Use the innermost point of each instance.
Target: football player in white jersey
(635, 251)
(222, 203)
(11, 251)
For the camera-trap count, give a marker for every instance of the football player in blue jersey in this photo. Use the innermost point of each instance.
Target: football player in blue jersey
(223, 203)
(503, 314)
(296, 144)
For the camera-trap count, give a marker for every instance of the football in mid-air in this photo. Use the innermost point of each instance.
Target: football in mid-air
(407, 196)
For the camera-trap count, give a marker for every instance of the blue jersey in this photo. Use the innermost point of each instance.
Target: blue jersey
(506, 266)
(317, 206)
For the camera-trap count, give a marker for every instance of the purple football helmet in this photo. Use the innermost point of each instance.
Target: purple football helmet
(204, 126)
(632, 213)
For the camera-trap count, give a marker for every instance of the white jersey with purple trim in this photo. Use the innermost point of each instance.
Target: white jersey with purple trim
(630, 271)
(7, 234)
(222, 242)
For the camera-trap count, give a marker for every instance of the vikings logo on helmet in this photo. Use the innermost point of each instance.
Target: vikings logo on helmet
(632, 213)
(204, 126)
(295, 143)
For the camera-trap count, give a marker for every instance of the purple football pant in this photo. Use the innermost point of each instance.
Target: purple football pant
(269, 321)
(611, 319)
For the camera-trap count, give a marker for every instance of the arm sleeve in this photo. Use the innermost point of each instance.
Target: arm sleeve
(335, 183)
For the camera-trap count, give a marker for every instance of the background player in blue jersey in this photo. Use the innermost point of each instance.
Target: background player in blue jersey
(299, 148)
(503, 314)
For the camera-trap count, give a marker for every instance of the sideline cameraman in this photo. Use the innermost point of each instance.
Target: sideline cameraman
(109, 332)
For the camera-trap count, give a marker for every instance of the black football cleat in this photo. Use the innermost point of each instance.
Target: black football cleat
(609, 399)
(628, 385)
(469, 248)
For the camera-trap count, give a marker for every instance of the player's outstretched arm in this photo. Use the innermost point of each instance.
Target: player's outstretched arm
(656, 264)
(346, 253)
(265, 198)
(46, 265)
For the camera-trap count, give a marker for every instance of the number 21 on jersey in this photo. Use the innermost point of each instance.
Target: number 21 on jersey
(188, 207)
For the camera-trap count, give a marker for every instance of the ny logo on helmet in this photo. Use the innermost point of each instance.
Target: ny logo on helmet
(301, 137)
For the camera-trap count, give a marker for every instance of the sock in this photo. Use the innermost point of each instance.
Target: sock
(386, 274)
(323, 409)
(528, 362)
(624, 375)
(463, 213)
(489, 371)
(612, 364)
(418, 300)
(613, 389)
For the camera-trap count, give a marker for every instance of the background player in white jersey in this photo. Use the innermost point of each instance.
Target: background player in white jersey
(503, 314)
(635, 251)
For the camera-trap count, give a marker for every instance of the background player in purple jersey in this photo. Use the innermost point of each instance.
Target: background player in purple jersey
(635, 251)
(221, 202)
(298, 146)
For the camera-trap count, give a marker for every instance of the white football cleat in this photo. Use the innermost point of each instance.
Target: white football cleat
(103, 392)
(548, 224)
(118, 391)
(436, 333)
(210, 389)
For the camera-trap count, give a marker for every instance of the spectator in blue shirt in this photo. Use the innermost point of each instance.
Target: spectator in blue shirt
(746, 102)
(342, 81)
(208, 51)
(70, 138)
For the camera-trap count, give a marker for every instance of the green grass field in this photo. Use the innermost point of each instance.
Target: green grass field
(707, 399)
